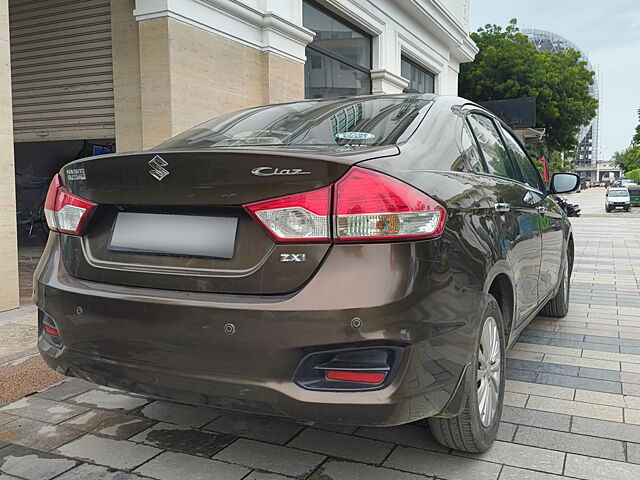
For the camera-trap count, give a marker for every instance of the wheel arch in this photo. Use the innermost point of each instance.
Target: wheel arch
(500, 284)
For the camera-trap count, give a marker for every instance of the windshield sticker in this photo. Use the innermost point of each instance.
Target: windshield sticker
(355, 135)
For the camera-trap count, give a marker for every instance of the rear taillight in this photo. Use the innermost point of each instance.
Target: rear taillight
(66, 212)
(367, 206)
(372, 206)
(303, 217)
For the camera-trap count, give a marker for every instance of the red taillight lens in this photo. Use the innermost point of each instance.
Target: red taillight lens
(66, 212)
(372, 206)
(302, 217)
(50, 331)
(367, 206)
(354, 376)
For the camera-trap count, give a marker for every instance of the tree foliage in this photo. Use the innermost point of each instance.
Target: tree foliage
(636, 137)
(509, 66)
(629, 158)
(634, 175)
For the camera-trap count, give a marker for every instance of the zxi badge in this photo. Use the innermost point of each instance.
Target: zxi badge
(293, 257)
(158, 171)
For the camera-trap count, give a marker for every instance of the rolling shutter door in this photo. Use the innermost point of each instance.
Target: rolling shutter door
(61, 69)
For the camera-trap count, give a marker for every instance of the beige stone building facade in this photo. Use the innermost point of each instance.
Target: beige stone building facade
(92, 76)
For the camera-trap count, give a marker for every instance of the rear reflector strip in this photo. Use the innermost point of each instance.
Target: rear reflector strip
(358, 377)
(51, 331)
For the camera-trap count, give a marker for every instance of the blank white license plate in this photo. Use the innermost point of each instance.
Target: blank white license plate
(188, 235)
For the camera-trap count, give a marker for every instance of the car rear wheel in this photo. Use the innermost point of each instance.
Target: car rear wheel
(475, 428)
(558, 306)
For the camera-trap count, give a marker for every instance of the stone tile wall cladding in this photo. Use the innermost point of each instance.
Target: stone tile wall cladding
(573, 410)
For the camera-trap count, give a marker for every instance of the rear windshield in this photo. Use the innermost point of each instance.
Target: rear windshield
(350, 122)
(618, 193)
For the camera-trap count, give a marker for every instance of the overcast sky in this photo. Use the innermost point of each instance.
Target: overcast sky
(608, 32)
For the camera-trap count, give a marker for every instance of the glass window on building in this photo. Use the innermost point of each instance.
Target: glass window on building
(420, 80)
(338, 59)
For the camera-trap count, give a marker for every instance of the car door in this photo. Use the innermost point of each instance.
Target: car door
(516, 214)
(549, 221)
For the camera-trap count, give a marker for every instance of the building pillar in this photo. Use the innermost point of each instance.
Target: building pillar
(217, 58)
(126, 76)
(9, 288)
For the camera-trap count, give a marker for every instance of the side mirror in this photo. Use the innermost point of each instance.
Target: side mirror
(564, 182)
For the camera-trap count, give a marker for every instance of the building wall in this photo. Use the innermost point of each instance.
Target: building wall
(9, 296)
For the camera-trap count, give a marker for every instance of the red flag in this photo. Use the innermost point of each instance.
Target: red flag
(545, 168)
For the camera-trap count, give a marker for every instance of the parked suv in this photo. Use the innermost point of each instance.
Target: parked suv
(361, 261)
(617, 198)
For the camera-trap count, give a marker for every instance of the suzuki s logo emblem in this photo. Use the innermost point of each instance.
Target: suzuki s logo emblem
(158, 171)
(270, 171)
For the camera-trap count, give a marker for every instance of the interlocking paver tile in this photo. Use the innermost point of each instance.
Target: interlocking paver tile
(513, 473)
(65, 390)
(255, 427)
(109, 400)
(536, 418)
(580, 382)
(32, 465)
(172, 466)
(539, 389)
(265, 476)
(590, 468)
(120, 454)
(579, 409)
(570, 442)
(188, 415)
(441, 465)
(42, 409)
(340, 470)
(95, 472)
(122, 427)
(270, 458)
(521, 456)
(342, 446)
(36, 434)
(506, 431)
(184, 439)
(407, 435)
(599, 374)
(6, 418)
(605, 429)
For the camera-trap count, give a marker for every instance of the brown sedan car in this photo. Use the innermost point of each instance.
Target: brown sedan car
(361, 261)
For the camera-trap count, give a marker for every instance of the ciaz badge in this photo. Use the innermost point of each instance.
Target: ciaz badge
(270, 171)
(293, 257)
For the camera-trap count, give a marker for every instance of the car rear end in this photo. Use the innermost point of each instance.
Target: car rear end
(264, 280)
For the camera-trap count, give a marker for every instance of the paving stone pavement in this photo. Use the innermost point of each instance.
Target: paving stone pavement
(572, 409)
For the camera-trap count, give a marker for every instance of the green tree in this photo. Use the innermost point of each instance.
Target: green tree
(509, 66)
(628, 159)
(634, 175)
(636, 137)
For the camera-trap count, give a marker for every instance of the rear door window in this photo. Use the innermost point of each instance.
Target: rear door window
(470, 150)
(530, 174)
(493, 150)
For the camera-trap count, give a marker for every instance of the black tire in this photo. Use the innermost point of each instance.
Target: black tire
(558, 306)
(466, 432)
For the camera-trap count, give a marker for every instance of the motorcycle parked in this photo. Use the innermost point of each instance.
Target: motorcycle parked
(571, 209)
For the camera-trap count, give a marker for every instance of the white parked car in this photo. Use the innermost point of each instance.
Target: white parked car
(617, 198)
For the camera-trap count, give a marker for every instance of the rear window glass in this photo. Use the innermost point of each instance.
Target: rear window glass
(349, 122)
(618, 193)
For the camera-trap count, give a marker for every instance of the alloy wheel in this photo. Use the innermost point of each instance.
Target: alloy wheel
(489, 371)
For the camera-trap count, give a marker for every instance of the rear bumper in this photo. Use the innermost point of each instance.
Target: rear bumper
(173, 344)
